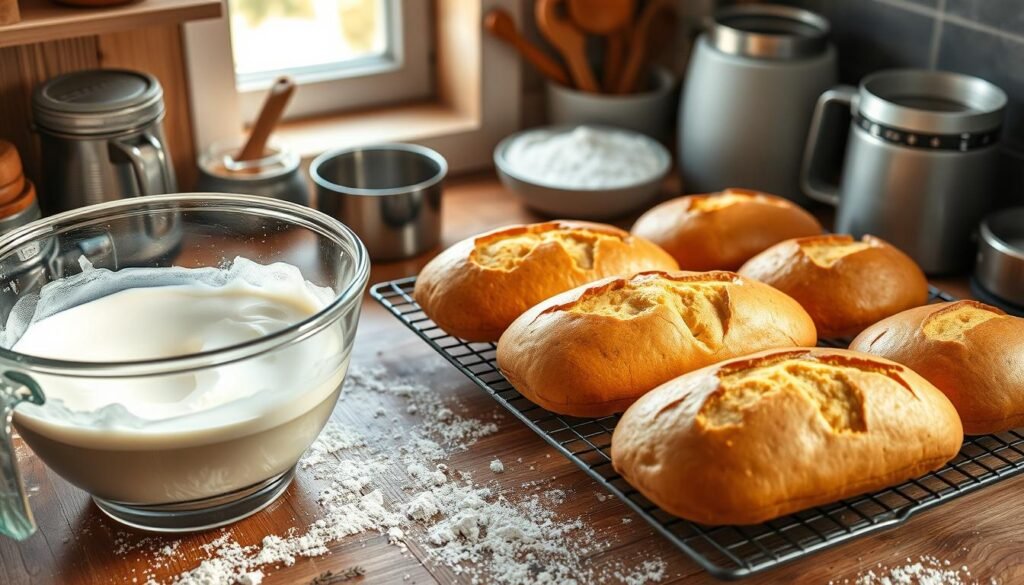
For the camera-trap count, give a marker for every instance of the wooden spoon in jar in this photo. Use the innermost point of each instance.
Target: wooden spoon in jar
(613, 20)
(500, 24)
(270, 115)
(640, 49)
(569, 40)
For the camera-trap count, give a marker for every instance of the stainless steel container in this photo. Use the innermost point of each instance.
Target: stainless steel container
(919, 165)
(1000, 267)
(276, 175)
(389, 194)
(747, 99)
(101, 138)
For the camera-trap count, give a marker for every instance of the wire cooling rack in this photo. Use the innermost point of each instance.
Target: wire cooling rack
(727, 552)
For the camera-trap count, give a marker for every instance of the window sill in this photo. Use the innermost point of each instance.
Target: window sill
(410, 123)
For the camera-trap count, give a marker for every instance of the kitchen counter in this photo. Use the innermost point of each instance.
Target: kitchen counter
(76, 544)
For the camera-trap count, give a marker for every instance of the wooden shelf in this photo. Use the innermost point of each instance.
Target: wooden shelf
(42, 20)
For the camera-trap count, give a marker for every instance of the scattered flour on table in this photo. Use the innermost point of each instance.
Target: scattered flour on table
(497, 466)
(480, 531)
(926, 570)
(650, 571)
(331, 440)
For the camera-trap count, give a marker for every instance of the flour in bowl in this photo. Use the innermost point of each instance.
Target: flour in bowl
(586, 158)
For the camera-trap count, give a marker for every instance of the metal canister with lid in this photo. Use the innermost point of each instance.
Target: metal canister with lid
(102, 138)
(753, 79)
(102, 141)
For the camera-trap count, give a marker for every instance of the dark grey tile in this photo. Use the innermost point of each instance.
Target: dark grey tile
(873, 35)
(1005, 15)
(995, 58)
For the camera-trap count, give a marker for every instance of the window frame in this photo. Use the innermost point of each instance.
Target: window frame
(476, 102)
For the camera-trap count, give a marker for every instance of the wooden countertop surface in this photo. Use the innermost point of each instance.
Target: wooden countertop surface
(76, 544)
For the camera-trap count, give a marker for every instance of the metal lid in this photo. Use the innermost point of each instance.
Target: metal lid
(97, 101)
(769, 31)
(933, 102)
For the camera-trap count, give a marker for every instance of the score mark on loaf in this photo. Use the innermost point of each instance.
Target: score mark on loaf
(595, 349)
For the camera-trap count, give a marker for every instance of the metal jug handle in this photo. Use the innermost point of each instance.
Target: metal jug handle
(150, 165)
(16, 518)
(818, 153)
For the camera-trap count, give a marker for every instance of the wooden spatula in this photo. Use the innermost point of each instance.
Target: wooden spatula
(270, 115)
(601, 17)
(612, 19)
(500, 24)
(639, 50)
(569, 40)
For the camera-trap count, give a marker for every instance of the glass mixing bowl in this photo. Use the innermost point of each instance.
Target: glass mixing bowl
(196, 470)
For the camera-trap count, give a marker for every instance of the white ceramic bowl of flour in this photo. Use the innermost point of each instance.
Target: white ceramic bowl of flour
(582, 172)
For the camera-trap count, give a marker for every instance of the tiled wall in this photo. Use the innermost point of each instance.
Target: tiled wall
(978, 37)
(984, 38)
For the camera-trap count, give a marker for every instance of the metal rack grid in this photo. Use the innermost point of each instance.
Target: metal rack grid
(726, 552)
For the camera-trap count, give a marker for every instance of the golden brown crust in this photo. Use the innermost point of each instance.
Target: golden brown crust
(974, 353)
(721, 231)
(770, 434)
(475, 288)
(595, 349)
(843, 283)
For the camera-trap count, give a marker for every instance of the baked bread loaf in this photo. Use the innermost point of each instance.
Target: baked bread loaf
(721, 231)
(972, 352)
(477, 287)
(844, 284)
(593, 350)
(751, 439)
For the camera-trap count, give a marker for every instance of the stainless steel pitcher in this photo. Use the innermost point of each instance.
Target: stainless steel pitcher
(919, 164)
(102, 138)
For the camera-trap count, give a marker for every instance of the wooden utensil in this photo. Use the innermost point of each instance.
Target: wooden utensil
(602, 17)
(500, 24)
(639, 50)
(611, 19)
(614, 58)
(569, 40)
(270, 115)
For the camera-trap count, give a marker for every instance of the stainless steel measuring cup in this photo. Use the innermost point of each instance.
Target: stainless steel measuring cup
(389, 194)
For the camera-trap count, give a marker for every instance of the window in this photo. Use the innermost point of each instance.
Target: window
(368, 71)
(344, 54)
(311, 40)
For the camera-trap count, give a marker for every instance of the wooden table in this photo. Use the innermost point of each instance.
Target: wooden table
(76, 544)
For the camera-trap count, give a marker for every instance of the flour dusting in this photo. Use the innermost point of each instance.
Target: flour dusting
(926, 570)
(481, 531)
